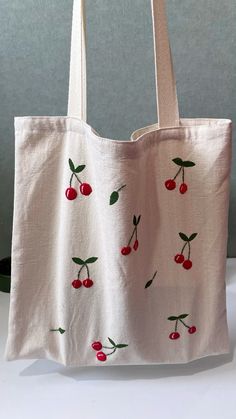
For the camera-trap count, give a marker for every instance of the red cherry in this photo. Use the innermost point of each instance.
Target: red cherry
(179, 258)
(85, 189)
(76, 283)
(71, 194)
(192, 330)
(88, 283)
(170, 184)
(187, 264)
(97, 346)
(136, 244)
(183, 188)
(174, 335)
(126, 250)
(101, 356)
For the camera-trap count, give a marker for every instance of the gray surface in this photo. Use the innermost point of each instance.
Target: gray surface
(34, 68)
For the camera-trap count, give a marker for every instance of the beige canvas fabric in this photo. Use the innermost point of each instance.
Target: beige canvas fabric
(131, 270)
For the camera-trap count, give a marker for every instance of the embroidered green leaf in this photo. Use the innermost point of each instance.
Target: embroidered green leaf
(192, 237)
(183, 237)
(112, 342)
(188, 163)
(80, 168)
(149, 283)
(61, 330)
(138, 220)
(134, 220)
(79, 261)
(178, 161)
(114, 197)
(121, 345)
(91, 260)
(183, 316)
(72, 167)
(172, 318)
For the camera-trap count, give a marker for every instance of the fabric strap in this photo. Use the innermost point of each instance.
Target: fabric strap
(166, 94)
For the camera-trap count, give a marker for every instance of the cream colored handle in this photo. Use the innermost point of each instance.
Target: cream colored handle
(166, 95)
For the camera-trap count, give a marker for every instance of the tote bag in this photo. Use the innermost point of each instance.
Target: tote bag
(119, 247)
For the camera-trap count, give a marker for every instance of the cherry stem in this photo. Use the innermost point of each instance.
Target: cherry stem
(178, 173)
(81, 270)
(122, 187)
(184, 247)
(176, 325)
(77, 179)
(54, 330)
(108, 347)
(183, 175)
(134, 231)
(189, 250)
(184, 323)
(71, 178)
(111, 352)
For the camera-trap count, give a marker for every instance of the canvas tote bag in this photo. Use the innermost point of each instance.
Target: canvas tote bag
(119, 247)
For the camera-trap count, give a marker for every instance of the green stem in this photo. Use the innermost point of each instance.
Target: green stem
(184, 323)
(122, 187)
(71, 178)
(189, 250)
(54, 330)
(176, 325)
(184, 247)
(86, 266)
(183, 175)
(177, 174)
(108, 347)
(77, 179)
(111, 352)
(135, 228)
(80, 271)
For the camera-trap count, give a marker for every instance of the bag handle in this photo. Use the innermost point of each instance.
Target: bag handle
(166, 94)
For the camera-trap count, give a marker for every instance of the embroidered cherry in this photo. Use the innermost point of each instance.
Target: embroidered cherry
(97, 346)
(85, 188)
(76, 283)
(192, 330)
(170, 184)
(115, 195)
(175, 335)
(101, 355)
(88, 282)
(179, 258)
(71, 194)
(126, 250)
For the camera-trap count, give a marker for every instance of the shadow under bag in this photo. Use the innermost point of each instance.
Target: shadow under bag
(119, 247)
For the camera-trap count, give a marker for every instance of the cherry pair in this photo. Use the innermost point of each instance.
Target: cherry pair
(170, 184)
(88, 282)
(180, 258)
(85, 189)
(176, 335)
(101, 355)
(126, 250)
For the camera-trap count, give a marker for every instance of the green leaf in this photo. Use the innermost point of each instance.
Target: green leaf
(121, 345)
(149, 283)
(61, 331)
(188, 163)
(183, 316)
(172, 318)
(192, 237)
(134, 220)
(139, 217)
(183, 237)
(91, 260)
(112, 342)
(72, 167)
(80, 168)
(79, 261)
(178, 161)
(114, 197)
